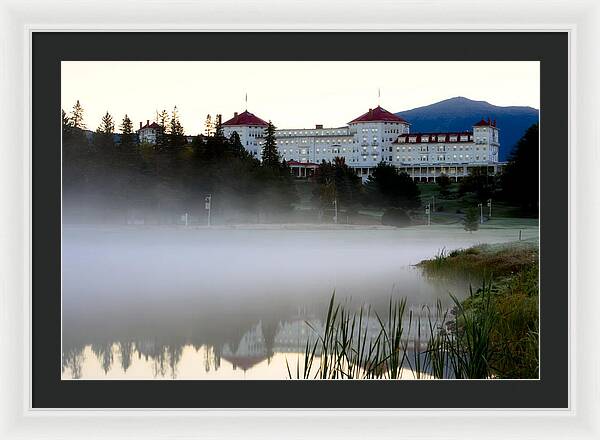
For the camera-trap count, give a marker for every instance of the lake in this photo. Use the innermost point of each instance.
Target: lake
(232, 303)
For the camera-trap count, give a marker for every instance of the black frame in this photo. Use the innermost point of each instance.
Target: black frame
(50, 48)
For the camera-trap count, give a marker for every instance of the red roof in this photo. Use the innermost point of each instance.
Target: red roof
(484, 123)
(378, 114)
(153, 125)
(246, 118)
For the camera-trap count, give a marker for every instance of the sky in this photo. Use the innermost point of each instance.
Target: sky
(292, 94)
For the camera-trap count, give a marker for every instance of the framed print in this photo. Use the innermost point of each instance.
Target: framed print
(336, 234)
(295, 225)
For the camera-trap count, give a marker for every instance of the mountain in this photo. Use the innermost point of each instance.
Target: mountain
(459, 113)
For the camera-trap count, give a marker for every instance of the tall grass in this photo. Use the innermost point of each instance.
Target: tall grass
(456, 344)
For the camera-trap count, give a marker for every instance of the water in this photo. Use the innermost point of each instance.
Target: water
(183, 303)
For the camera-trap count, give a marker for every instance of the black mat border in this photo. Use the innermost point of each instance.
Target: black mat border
(49, 48)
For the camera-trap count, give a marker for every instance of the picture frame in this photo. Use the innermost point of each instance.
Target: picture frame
(20, 420)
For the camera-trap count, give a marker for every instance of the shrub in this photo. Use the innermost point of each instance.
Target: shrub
(471, 222)
(395, 217)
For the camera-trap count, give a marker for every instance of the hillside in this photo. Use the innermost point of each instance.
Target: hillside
(459, 113)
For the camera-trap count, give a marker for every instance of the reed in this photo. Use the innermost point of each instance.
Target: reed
(454, 345)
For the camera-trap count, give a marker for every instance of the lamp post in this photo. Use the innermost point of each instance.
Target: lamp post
(480, 206)
(428, 213)
(335, 216)
(207, 206)
(489, 204)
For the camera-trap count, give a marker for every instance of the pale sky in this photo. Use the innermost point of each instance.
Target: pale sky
(292, 94)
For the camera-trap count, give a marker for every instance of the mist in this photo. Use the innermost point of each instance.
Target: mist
(174, 286)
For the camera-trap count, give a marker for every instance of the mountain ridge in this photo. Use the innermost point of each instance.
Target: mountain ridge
(460, 114)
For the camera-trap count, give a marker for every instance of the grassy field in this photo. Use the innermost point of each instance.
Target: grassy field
(449, 210)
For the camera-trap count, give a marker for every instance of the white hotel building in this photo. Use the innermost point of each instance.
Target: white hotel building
(376, 136)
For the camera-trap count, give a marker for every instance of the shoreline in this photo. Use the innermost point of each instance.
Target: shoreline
(304, 227)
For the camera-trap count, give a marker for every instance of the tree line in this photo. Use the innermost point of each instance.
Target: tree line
(110, 181)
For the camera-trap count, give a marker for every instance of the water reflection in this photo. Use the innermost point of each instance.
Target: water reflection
(153, 359)
(164, 304)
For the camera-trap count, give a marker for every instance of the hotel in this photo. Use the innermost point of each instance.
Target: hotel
(377, 135)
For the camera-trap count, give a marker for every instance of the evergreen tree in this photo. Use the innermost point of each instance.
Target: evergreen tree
(208, 126)
(236, 147)
(337, 181)
(77, 116)
(218, 127)
(444, 184)
(162, 138)
(104, 136)
(67, 128)
(471, 221)
(520, 179)
(389, 188)
(270, 155)
(479, 182)
(176, 134)
(127, 137)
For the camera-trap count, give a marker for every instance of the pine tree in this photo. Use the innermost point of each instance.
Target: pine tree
(208, 126)
(471, 222)
(444, 183)
(77, 116)
(67, 128)
(126, 132)
(218, 127)
(105, 132)
(176, 130)
(107, 125)
(270, 155)
(388, 187)
(162, 119)
(520, 179)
